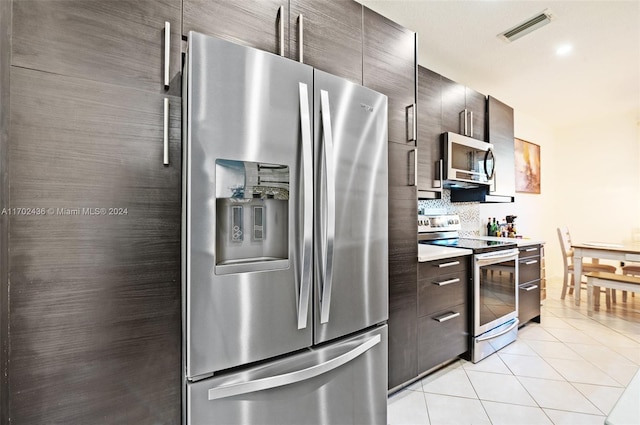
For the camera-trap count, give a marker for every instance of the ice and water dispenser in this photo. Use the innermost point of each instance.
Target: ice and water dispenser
(252, 216)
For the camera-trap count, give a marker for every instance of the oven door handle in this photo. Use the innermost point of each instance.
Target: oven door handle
(513, 325)
(482, 260)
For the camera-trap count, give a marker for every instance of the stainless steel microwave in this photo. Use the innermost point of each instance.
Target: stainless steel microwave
(468, 162)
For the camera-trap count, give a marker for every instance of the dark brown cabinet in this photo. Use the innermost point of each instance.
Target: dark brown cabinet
(332, 36)
(457, 98)
(263, 24)
(529, 284)
(94, 270)
(114, 41)
(389, 68)
(429, 134)
(501, 136)
(95, 277)
(443, 307)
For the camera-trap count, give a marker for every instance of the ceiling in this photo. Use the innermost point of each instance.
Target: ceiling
(599, 77)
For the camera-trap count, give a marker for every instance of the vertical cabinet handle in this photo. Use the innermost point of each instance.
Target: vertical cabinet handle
(413, 160)
(165, 154)
(300, 38)
(281, 29)
(463, 122)
(470, 124)
(437, 182)
(411, 123)
(167, 52)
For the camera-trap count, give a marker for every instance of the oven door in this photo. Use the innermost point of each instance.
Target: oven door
(495, 288)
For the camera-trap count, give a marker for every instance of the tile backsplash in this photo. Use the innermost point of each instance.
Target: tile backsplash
(469, 212)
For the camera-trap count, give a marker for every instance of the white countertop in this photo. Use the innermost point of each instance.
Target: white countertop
(433, 252)
(519, 242)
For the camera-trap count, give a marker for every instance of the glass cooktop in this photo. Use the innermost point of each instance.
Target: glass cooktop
(477, 245)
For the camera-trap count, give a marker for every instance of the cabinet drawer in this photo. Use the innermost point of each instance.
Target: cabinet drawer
(529, 251)
(529, 269)
(528, 301)
(445, 265)
(441, 339)
(437, 292)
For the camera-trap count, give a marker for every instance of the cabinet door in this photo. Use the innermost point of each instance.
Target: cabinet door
(403, 279)
(115, 41)
(429, 134)
(95, 277)
(477, 103)
(453, 102)
(254, 23)
(389, 67)
(332, 36)
(500, 132)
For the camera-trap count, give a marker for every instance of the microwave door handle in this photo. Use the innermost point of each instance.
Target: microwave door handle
(487, 155)
(329, 211)
(307, 173)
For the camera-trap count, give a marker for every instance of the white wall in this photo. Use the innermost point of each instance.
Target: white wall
(590, 182)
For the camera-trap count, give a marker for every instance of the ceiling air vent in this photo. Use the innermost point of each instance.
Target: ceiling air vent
(528, 26)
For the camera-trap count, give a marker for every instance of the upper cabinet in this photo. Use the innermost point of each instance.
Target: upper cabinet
(263, 24)
(429, 134)
(119, 42)
(327, 35)
(500, 134)
(463, 110)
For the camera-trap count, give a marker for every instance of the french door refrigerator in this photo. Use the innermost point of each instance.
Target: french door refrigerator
(285, 293)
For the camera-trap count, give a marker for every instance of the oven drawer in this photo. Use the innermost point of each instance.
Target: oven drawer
(438, 292)
(442, 336)
(529, 269)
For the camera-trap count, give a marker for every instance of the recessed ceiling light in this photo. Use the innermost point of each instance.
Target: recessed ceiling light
(564, 50)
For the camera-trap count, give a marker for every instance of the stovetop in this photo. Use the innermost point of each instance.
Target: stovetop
(476, 245)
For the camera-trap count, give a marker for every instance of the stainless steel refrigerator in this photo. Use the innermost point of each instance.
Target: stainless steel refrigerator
(285, 276)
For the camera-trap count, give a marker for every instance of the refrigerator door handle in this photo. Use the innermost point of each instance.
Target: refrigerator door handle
(307, 172)
(330, 207)
(292, 377)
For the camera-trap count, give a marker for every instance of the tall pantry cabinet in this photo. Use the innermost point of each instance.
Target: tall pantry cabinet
(390, 68)
(93, 214)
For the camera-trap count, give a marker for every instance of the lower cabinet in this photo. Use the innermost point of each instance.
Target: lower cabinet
(529, 284)
(443, 307)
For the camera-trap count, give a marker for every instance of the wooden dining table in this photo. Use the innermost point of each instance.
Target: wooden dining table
(601, 251)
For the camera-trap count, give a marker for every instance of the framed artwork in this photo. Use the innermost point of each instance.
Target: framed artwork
(527, 166)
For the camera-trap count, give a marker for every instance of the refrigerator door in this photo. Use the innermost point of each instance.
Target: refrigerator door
(341, 383)
(351, 272)
(248, 203)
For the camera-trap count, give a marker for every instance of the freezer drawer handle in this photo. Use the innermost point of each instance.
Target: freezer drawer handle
(292, 377)
(447, 282)
(329, 213)
(307, 229)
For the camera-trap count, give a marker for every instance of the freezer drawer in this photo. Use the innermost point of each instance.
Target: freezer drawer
(340, 383)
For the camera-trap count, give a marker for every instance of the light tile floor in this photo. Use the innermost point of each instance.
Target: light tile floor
(570, 369)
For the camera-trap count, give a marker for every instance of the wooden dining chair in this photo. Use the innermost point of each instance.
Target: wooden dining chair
(587, 267)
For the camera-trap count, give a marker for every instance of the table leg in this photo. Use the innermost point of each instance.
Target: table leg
(577, 274)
